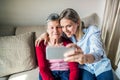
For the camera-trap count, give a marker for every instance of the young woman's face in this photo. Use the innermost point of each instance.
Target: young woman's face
(54, 29)
(68, 26)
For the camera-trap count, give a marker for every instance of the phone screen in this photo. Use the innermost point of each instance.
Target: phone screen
(53, 52)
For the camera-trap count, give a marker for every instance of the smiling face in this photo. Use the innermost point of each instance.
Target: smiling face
(68, 26)
(54, 29)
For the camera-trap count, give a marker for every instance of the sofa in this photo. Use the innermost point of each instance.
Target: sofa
(17, 50)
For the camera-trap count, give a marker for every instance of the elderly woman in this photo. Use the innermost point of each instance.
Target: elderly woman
(55, 69)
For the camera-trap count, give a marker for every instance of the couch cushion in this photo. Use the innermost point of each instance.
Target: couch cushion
(7, 30)
(28, 75)
(37, 29)
(92, 19)
(16, 54)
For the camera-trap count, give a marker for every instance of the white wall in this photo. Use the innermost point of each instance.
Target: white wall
(35, 12)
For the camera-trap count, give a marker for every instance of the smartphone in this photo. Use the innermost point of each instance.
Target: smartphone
(53, 52)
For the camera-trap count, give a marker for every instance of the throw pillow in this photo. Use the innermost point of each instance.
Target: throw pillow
(17, 54)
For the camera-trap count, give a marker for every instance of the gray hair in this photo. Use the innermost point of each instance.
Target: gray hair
(53, 17)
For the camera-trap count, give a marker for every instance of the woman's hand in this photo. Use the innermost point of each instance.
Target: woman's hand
(44, 37)
(77, 55)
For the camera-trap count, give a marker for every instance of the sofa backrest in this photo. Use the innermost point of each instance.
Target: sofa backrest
(37, 29)
(7, 30)
(92, 19)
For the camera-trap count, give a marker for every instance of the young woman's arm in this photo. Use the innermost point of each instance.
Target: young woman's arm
(44, 37)
(78, 56)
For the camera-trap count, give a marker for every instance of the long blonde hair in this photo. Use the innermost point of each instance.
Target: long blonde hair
(72, 15)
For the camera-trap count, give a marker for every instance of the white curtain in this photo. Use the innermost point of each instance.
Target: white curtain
(110, 30)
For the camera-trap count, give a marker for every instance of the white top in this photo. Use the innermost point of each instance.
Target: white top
(91, 43)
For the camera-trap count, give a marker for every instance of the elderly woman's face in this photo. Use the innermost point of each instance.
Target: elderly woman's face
(54, 29)
(68, 26)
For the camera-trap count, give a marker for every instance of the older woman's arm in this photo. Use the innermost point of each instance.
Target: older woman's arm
(43, 64)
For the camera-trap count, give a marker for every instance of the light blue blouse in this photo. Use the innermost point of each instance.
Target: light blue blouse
(91, 43)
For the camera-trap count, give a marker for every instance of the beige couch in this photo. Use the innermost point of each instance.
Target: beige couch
(17, 50)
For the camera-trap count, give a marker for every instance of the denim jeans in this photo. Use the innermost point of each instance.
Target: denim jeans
(85, 75)
(59, 75)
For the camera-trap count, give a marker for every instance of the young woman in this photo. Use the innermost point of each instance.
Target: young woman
(94, 65)
(55, 69)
